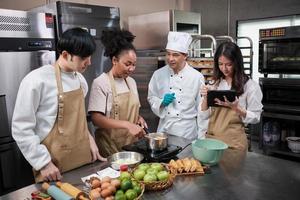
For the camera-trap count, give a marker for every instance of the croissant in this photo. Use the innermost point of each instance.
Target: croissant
(180, 165)
(187, 164)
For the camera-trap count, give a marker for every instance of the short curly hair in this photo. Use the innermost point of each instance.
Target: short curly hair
(116, 41)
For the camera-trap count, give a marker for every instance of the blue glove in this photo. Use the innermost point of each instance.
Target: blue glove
(168, 98)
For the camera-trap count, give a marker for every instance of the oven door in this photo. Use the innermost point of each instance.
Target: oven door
(279, 56)
(281, 95)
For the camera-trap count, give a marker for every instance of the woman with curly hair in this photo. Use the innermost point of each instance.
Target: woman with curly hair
(114, 101)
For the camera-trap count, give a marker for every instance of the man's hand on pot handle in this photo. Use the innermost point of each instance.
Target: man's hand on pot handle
(168, 98)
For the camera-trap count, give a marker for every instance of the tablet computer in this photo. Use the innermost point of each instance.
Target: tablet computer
(213, 94)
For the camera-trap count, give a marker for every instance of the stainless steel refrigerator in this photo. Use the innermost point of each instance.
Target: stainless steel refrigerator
(27, 42)
(90, 17)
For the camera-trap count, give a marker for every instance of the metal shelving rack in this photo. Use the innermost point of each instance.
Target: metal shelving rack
(202, 58)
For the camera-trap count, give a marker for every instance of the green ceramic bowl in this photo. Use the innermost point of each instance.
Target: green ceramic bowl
(208, 151)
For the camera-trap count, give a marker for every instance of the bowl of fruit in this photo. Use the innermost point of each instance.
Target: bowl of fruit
(155, 176)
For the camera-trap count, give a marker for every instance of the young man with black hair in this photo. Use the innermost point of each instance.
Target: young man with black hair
(49, 120)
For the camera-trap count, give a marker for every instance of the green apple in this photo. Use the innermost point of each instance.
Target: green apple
(163, 175)
(124, 175)
(150, 177)
(152, 171)
(139, 174)
(144, 166)
(157, 166)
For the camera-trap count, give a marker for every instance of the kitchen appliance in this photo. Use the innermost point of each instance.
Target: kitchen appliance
(279, 50)
(151, 30)
(154, 156)
(27, 42)
(92, 18)
(281, 95)
(281, 114)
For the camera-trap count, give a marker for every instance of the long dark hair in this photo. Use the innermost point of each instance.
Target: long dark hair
(232, 52)
(117, 41)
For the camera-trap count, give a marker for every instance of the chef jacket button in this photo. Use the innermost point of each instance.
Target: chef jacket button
(170, 88)
(178, 101)
(171, 75)
(177, 114)
(179, 89)
(180, 76)
(168, 113)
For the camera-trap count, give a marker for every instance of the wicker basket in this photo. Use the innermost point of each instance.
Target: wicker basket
(158, 185)
(143, 190)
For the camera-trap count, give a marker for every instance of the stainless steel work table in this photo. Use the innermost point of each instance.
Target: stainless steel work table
(260, 177)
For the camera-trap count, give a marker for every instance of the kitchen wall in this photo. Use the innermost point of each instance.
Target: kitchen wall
(216, 21)
(127, 7)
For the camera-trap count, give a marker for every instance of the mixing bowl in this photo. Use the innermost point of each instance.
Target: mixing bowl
(208, 151)
(129, 158)
(294, 144)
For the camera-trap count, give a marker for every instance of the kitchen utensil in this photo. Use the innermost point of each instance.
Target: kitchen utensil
(294, 144)
(157, 141)
(71, 190)
(55, 192)
(208, 151)
(154, 156)
(146, 130)
(128, 158)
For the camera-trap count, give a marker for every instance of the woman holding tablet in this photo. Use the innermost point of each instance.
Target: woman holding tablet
(226, 121)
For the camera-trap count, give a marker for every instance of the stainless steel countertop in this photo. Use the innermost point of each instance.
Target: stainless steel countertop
(260, 177)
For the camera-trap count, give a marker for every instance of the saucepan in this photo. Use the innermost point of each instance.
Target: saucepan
(156, 141)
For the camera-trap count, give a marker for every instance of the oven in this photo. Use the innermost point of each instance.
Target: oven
(281, 114)
(281, 95)
(279, 50)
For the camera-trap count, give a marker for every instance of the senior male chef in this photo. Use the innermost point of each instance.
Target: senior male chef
(173, 92)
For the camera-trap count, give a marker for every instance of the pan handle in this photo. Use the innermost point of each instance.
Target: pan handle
(184, 147)
(146, 130)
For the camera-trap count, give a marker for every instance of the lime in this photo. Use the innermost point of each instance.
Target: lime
(126, 184)
(138, 189)
(124, 175)
(120, 197)
(130, 194)
(134, 183)
(119, 192)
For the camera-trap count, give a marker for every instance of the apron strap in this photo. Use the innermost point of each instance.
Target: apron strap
(60, 112)
(114, 93)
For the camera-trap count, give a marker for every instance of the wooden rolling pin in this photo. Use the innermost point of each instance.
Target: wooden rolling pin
(71, 190)
(55, 192)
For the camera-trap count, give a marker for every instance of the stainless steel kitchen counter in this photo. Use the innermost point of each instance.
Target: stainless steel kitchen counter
(259, 177)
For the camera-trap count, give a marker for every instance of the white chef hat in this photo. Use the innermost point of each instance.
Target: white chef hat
(179, 41)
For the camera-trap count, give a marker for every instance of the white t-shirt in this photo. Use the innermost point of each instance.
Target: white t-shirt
(101, 98)
(36, 110)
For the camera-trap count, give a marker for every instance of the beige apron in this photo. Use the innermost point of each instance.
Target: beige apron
(125, 107)
(226, 125)
(68, 141)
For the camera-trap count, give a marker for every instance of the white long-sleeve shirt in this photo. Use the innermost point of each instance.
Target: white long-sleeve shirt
(180, 117)
(36, 110)
(250, 100)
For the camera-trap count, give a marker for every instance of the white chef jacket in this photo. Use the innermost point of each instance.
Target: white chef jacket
(36, 110)
(250, 100)
(180, 117)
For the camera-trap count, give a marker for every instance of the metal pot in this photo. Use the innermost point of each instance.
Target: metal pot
(157, 141)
